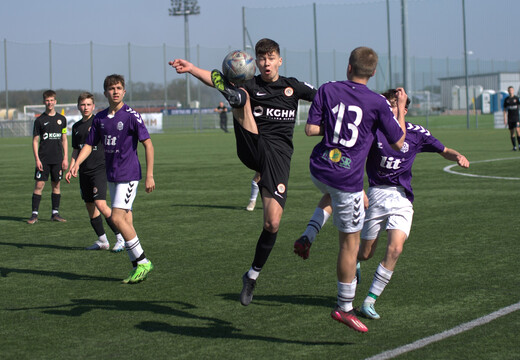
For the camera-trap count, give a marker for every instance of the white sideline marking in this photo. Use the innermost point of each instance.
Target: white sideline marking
(448, 170)
(445, 334)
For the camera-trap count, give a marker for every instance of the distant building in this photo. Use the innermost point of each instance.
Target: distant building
(481, 86)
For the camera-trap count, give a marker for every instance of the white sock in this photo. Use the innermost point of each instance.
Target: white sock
(253, 274)
(120, 237)
(103, 238)
(254, 190)
(318, 219)
(134, 250)
(346, 294)
(381, 278)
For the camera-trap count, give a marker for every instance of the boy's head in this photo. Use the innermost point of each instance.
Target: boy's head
(49, 94)
(86, 104)
(363, 62)
(511, 90)
(391, 96)
(266, 46)
(112, 80)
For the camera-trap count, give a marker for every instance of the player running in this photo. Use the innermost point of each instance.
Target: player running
(347, 115)
(264, 114)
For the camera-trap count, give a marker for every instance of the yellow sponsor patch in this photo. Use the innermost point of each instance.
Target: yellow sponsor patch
(335, 155)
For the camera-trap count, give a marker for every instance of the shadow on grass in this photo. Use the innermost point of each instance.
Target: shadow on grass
(278, 300)
(214, 329)
(224, 331)
(4, 272)
(14, 218)
(45, 246)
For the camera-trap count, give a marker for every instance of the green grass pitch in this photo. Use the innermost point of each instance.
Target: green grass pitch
(59, 301)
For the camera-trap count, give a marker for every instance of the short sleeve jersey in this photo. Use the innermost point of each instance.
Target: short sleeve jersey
(511, 105)
(96, 160)
(120, 134)
(386, 166)
(350, 114)
(275, 105)
(50, 130)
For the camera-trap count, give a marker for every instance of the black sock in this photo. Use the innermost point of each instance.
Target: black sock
(36, 202)
(112, 225)
(263, 248)
(97, 225)
(55, 199)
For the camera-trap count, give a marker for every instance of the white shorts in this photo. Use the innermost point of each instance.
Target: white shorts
(347, 207)
(122, 195)
(387, 205)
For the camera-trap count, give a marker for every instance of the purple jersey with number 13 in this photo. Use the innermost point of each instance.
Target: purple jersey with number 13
(120, 135)
(350, 114)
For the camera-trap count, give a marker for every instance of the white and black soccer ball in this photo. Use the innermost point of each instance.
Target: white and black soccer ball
(238, 67)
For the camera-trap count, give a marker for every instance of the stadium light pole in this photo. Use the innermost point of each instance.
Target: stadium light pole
(389, 46)
(185, 8)
(406, 65)
(465, 61)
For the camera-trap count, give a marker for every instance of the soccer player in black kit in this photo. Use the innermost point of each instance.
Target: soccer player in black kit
(93, 177)
(50, 149)
(264, 113)
(511, 118)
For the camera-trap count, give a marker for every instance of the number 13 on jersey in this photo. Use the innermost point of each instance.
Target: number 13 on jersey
(339, 111)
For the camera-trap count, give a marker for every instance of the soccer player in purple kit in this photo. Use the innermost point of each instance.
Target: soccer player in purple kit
(347, 115)
(390, 198)
(50, 149)
(93, 177)
(120, 128)
(264, 114)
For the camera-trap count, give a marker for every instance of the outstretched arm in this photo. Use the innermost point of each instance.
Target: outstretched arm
(454, 155)
(183, 66)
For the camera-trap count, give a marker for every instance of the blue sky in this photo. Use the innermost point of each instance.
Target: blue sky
(435, 30)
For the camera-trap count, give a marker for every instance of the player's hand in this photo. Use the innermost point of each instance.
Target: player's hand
(181, 66)
(73, 171)
(68, 175)
(65, 164)
(462, 161)
(401, 97)
(149, 184)
(39, 165)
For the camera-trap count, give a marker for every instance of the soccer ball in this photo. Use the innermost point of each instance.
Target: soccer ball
(238, 67)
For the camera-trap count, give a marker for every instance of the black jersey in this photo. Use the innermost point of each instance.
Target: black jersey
(274, 106)
(96, 160)
(511, 105)
(50, 130)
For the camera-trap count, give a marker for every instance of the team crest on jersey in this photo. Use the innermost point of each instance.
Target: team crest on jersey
(405, 147)
(281, 188)
(59, 122)
(335, 155)
(289, 91)
(120, 126)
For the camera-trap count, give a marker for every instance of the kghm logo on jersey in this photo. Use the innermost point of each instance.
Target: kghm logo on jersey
(289, 91)
(275, 114)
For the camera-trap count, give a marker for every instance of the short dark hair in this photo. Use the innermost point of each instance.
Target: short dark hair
(391, 96)
(85, 95)
(266, 46)
(48, 94)
(363, 61)
(112, 80)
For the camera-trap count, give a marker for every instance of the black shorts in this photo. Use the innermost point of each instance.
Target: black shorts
(93, 186)
(273, 166)
(513, 124)
(53, 169)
